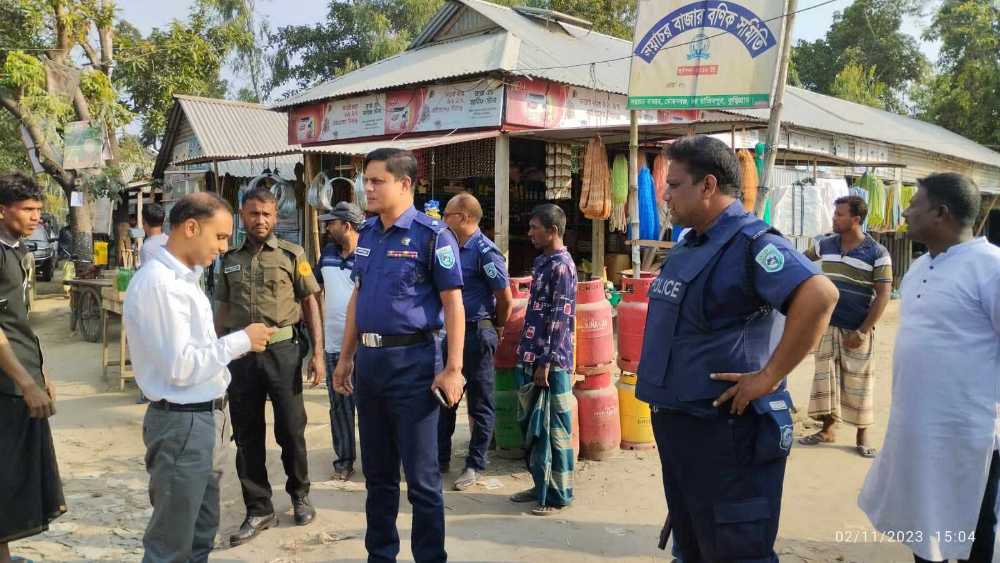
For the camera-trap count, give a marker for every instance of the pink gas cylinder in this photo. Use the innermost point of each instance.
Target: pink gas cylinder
(600, 423)
(594, 330)
(632, 320)
(505, 356)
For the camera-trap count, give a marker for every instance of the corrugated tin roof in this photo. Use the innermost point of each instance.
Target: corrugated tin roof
(826, 113)
(521, 45)
(565, 53)
(225, 129)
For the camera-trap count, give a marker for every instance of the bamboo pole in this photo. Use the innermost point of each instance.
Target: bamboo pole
(774, 123)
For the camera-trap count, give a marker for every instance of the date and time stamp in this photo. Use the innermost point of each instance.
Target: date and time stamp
(871, 535)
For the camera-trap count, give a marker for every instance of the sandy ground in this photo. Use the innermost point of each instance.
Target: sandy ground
(617, 514)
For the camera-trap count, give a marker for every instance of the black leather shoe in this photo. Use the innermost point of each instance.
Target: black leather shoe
(304, 511)
(252, 526)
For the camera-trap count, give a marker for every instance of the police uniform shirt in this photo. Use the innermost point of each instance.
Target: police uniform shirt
(777, 271)
(483, 272)
(14, 271)
(718, 327)
(400, 272)
(265, 286)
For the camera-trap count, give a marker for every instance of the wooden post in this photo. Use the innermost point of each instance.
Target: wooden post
(597, 249)
(501, 195)
(986, 215)
(774, 124)
(633, 189)
(312, 218)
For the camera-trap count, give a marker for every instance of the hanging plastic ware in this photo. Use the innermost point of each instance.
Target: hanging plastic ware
(360, 199)
(649, 216)
(661, 166)
(619, 193)
(595, 196)
(876, 200)
(748, 179)
(313, 195)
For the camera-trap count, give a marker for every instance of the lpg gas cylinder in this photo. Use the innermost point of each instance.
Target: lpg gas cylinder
(505, 356)
(600, 424)
(632, 320)
(636, 418)
(595, 333)
(507, 431)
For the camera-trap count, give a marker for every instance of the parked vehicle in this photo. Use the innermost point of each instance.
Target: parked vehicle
(44, 246)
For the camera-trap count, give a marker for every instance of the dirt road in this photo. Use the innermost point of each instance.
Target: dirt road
(617, 514)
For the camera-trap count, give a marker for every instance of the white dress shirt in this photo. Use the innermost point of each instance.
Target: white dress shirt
(150, 247)
(927, 483)
(176, 354)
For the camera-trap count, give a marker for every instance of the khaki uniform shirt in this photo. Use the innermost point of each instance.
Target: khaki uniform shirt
(15, 265)
(265, 284)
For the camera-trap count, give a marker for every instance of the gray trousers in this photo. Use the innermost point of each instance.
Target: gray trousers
(185, 454)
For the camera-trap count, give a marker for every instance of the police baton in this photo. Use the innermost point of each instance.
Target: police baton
(664, 534)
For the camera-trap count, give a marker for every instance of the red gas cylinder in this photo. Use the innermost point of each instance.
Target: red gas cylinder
(505, 356)
(632, 320)
(600, 424)
(594, 331)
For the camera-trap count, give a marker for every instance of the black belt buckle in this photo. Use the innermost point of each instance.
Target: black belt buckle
(207, 406)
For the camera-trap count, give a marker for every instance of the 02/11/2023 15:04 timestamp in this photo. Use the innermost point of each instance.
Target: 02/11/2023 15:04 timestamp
(902, 536)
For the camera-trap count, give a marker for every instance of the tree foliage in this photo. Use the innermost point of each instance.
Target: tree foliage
(359, 33)
(867, 33)
(859, 84)
(965, 94)
(185, 57)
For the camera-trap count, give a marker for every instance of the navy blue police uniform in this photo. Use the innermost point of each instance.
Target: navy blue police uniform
(712, 310)
(483, 272)
(400, 272)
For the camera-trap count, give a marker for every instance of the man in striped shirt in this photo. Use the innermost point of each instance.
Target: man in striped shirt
(843, 388)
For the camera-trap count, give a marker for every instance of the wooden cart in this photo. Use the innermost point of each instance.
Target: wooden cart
(113, 303)
(85, 306)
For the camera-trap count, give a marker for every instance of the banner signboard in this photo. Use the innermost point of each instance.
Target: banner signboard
(705, 54)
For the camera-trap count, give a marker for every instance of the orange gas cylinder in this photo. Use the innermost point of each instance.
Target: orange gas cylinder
(505, 356)
(595, 333)
(632, 320)
(600, 424)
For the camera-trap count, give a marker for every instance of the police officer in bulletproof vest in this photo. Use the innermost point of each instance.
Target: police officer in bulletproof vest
(721, 414)
(488, 301)
(269, 280)
(408, 287)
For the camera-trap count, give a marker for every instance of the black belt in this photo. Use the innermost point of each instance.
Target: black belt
(375, 340)
(482, 323)
(216, 405)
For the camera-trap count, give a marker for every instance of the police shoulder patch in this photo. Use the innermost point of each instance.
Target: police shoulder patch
(304, 268)
(770, 259)
(491, 270)
(231, 269)
(445, 257)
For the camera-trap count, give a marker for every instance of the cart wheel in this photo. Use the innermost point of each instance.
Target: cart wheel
(90, 315)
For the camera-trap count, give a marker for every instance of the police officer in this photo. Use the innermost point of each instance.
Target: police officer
(269, 280)
(488, 301)
(721, 414)
(407, 273)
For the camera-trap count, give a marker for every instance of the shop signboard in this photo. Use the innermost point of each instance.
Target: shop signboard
(444, 107)
(550, 105)
(706, 54)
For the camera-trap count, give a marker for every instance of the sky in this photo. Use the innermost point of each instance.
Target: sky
(810, 24)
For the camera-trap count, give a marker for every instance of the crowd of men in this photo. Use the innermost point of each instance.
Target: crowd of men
(406, 313)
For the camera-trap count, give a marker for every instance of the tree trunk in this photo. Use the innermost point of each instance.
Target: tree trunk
(82, 226)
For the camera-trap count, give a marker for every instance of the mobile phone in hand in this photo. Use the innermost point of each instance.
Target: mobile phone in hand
(440, 398)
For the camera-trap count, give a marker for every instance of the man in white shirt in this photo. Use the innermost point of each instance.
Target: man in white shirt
(934, 485)
(180, 366)
(335, 266)
(152, 225)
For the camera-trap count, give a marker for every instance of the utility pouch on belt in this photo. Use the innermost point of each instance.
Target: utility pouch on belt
(774, 427)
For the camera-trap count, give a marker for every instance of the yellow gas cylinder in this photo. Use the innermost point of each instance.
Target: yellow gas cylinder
(637, 424)
(100, 253)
